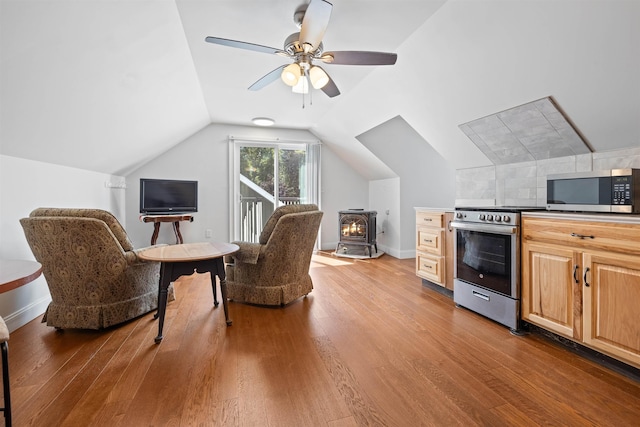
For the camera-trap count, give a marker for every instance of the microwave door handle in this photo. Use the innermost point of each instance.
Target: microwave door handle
(487, 228)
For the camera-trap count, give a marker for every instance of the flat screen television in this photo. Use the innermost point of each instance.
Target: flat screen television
(168, 196)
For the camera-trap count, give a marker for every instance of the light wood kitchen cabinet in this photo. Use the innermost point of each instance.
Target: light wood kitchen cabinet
(551, 293)
(434, 247)
(581, 280)
(610, 305)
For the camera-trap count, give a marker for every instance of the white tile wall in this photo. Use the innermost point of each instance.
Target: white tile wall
(525, 184)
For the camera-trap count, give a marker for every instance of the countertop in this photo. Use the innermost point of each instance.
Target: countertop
(434, 209)
(586, 216)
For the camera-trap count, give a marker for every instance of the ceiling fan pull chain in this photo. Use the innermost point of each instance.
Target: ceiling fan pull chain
(305, 81)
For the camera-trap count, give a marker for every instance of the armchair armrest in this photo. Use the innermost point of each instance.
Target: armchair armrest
(248, 253)
(132, 256)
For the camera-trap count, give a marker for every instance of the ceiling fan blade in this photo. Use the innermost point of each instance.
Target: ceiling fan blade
(314, 23)
(267, 78)
(330, 89)
(242, 45)
(355, 57)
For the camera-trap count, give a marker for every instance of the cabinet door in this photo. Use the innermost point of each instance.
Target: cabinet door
(551, 292)
(611, 305)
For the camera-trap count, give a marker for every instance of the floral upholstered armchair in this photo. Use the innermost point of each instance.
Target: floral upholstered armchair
(94, 275)
(275, 271)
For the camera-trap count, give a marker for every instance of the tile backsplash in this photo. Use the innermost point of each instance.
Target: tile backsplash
(525, 184)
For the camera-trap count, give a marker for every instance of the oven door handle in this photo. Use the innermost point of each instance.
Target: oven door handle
(487, 228)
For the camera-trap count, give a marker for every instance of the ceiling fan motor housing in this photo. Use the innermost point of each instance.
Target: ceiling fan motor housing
(293, 46)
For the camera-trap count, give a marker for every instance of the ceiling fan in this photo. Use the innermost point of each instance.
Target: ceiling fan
(304, 48)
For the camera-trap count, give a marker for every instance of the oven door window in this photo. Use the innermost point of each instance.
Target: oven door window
(484, 259)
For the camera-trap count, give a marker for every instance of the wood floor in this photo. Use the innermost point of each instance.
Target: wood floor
(369, 346)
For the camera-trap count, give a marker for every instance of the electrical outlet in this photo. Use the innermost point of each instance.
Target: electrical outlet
(386, 212)
(208, 233)
(120, 184)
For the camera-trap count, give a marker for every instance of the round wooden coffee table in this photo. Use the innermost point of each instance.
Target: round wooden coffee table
(15, 273)
(184, 260)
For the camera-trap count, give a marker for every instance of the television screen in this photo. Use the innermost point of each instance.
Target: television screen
(167, 196)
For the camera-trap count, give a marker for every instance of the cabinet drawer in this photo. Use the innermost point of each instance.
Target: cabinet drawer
(430, 240)
(430, 219)
(430, 267)
(608, 236)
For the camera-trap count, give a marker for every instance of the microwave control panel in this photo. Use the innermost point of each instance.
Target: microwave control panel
(622, 190)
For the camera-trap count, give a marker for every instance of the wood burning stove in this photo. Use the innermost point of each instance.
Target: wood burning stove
(358, 228)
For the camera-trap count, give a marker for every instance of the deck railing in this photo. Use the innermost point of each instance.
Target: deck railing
(252, 212)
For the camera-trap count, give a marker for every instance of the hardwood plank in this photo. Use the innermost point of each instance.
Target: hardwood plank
(369, 346)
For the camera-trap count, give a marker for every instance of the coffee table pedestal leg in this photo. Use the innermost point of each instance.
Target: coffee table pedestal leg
(166, 271)
(170, 271)
(225, 304)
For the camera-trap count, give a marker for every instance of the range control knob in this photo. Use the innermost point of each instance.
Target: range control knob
(506, 218)
(458, 215)
(489, 217)
(481, 216)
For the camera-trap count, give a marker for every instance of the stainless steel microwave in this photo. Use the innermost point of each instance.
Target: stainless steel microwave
(615, 190)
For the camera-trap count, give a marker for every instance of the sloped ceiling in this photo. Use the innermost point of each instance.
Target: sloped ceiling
(107, 85)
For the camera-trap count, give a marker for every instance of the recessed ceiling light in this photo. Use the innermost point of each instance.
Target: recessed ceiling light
(263, 121)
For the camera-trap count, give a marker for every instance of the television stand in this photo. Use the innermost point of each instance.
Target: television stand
(173, 218)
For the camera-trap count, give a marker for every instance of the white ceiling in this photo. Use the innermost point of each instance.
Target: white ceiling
(106, 85)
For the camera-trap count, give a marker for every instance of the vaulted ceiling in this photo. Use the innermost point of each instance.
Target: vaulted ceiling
(106, 85)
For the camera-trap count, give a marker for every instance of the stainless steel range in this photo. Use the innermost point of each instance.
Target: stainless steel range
(487, 262)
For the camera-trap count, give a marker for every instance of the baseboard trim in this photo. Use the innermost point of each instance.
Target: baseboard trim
(26, 314)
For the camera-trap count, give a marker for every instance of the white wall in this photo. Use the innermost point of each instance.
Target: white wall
(26, 185)
(384, 196)
(342, 188)
(482, 57)
(205, 157)
(425, 179)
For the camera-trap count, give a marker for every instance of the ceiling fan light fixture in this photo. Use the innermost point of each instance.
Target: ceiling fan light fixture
(302, 86)
(318, 77)
(291, 74)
